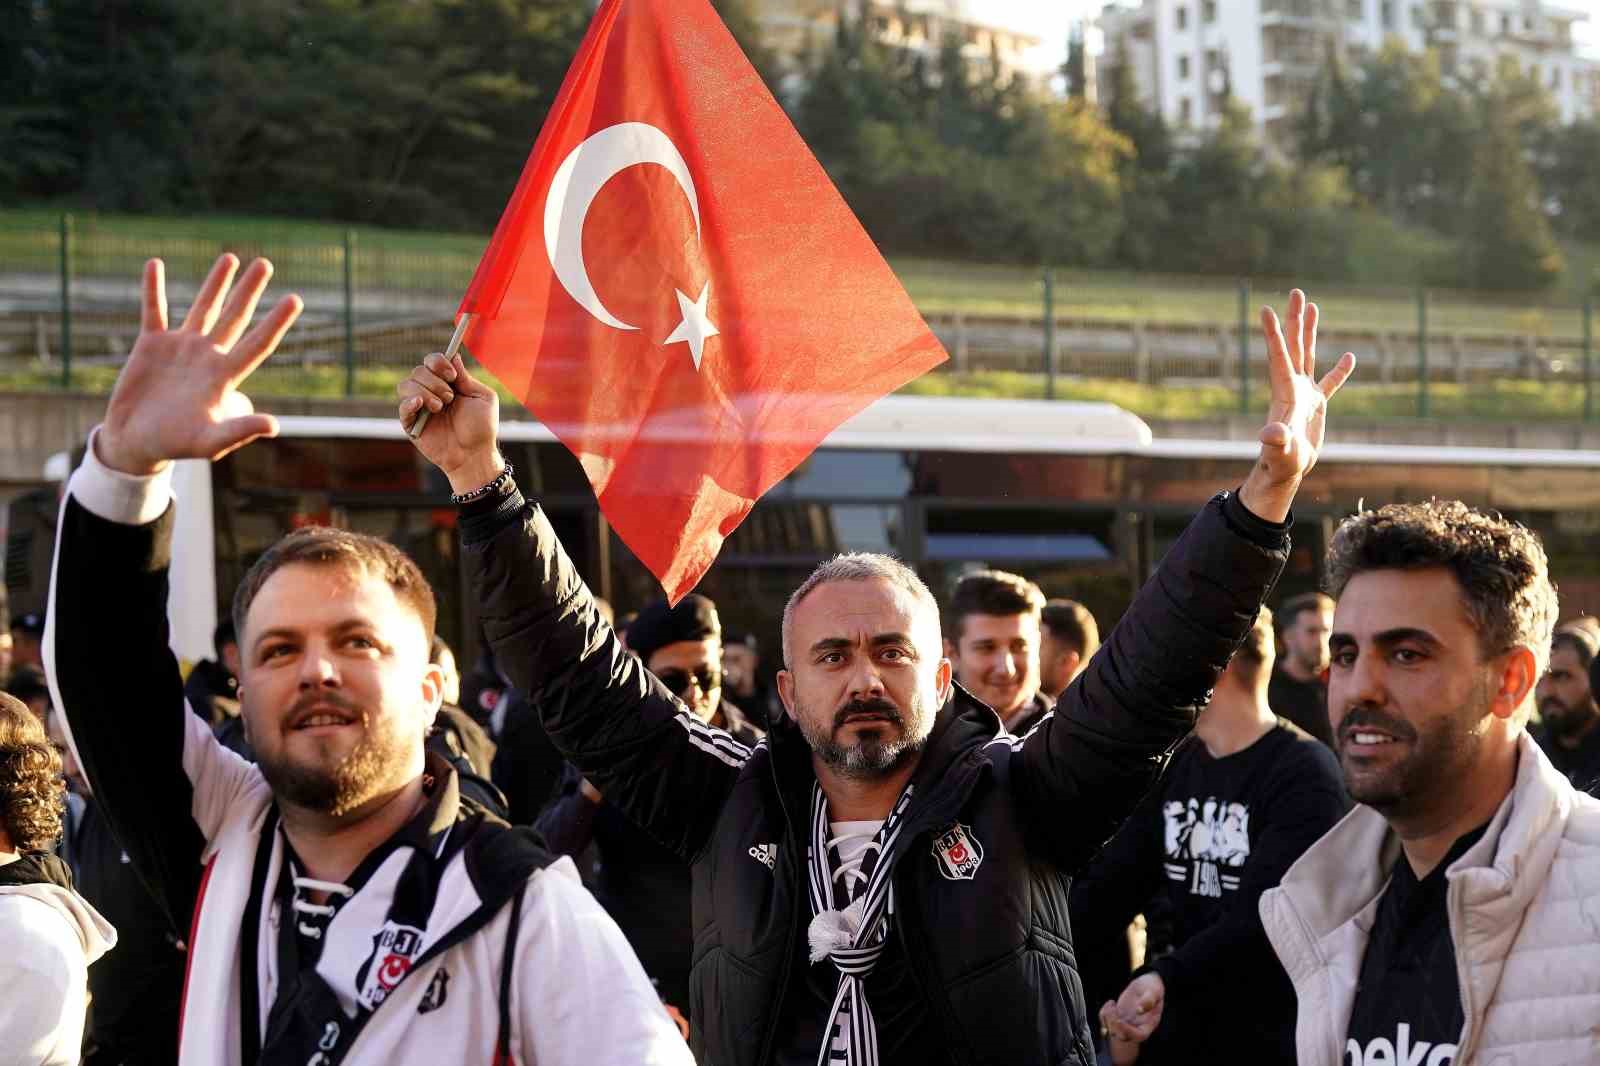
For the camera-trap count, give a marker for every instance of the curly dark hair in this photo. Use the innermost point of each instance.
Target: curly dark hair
(33, 796)
(1500, 566)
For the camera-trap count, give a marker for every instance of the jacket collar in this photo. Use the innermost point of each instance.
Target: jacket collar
(1342, 875)
(36, 868)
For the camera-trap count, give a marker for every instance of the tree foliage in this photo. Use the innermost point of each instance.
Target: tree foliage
(422, 112)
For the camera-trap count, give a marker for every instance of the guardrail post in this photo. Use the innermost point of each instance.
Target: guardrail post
(1049, 334)
(66, 301)
(1422, 353)
(349, 313)
(1244, 346)
(1588, 358)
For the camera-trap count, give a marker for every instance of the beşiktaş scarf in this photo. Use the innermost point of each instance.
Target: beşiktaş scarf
(851, 934)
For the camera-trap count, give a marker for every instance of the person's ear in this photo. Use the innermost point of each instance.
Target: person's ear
(432, 690)
(943, 675)
(786, 693)
(1518, 674)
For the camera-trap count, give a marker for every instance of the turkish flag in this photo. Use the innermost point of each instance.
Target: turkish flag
(677, 290)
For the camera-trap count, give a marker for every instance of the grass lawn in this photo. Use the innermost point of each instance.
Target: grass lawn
(310, 254)
(1515, 400)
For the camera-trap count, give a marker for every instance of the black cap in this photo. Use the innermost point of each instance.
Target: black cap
(695, 618)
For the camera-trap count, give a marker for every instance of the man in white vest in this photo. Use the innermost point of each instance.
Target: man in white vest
(1451, 918)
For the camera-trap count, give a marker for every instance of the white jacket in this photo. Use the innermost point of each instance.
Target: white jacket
(180, 801)
(48, 938)
(1524, 908)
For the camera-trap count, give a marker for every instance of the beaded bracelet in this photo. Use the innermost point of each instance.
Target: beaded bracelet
(479, 493)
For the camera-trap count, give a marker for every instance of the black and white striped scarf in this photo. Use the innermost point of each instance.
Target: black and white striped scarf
(851, 934)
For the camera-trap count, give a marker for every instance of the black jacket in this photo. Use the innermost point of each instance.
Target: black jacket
(991, 953)
(641, 884)
(136, 989)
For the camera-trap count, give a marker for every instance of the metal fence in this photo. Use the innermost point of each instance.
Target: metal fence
(374, 302)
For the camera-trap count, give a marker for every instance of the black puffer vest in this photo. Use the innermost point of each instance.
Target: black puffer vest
(992, 952)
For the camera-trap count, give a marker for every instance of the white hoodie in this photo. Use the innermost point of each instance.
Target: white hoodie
(48, 938)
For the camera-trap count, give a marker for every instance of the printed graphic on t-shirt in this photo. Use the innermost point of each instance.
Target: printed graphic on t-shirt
(1403, 1050)
(1207, 844)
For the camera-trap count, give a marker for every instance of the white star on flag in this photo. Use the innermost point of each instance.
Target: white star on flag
(696, 327)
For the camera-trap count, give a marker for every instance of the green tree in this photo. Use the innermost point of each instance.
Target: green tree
(1572, 179)
(1506, 233)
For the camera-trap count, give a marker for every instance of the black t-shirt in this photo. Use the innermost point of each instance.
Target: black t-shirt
(1305, 703)
(1195, 856)
(1408, 1004)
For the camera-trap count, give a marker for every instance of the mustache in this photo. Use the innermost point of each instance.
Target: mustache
(311, 700)
(881, 707)
(1358, 718)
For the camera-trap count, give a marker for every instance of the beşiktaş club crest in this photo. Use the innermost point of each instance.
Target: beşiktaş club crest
(394, 948)
(958, 852)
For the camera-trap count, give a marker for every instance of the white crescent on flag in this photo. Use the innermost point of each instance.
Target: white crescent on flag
(579, 179)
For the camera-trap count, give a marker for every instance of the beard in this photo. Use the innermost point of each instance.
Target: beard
(877, 751)
(1442, 752)
(1563, 722)
(331, 785)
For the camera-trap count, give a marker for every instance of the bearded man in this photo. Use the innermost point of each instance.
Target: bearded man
(349, 903)
(884, 878)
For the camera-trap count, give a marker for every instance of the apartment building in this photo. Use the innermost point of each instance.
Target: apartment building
(1189, 55)
(796, 29)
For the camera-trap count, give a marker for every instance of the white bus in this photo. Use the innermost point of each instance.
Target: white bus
(1079, 497)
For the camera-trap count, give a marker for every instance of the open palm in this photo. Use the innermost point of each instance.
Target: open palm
(178, 394)
(1297, 416)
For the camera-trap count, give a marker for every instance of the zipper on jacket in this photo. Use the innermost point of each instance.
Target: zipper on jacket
(1469, 1030)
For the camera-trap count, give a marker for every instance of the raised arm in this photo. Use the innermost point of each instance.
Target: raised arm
(1084, 767)
(161, 778)
(636, 742)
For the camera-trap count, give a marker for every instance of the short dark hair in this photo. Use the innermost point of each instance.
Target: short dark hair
(1257, 647)
(1499, 566)
(28, 683)
(992, 592)
(32, 794)
(1290, 610)
(322, 546)
(1071, 623)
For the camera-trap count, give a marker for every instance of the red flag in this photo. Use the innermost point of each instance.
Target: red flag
(678, 291)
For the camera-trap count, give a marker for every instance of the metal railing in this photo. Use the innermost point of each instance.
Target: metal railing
(375, 302)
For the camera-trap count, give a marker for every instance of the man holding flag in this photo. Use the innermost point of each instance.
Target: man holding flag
(679, 293)
(885, 878)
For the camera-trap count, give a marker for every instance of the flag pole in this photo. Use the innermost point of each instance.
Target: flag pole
(418, 424)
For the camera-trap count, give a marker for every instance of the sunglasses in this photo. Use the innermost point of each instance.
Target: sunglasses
(707, 677)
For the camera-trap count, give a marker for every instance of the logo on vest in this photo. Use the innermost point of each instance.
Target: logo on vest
(1380, 1051)
(958, 852)
(438, 991)
(394, 948)
(765, 854)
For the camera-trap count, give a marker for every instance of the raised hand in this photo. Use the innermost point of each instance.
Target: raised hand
(178, 394)
(1297, 417)
(464, 416)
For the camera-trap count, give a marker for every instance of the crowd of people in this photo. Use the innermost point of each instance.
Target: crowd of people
(1357, 828)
